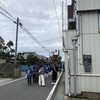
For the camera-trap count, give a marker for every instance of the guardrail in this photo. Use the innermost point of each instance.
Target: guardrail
(54, 87)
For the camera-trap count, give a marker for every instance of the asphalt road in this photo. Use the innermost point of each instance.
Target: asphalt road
(19, 90)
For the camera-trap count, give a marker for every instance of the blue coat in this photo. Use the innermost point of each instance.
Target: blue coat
(29, 72)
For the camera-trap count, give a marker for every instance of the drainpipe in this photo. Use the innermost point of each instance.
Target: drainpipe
(78, 32)
(66, 73)
(74, 39)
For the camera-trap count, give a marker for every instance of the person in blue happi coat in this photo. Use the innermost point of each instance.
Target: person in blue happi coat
(29, 73)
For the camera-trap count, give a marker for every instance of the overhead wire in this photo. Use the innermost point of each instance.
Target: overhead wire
(6, 11)
(33, 37)
(50, 14)
(21, 27)
(57, 17)
(46, 40)
(25, 31)
(7, 16)
(14, 20)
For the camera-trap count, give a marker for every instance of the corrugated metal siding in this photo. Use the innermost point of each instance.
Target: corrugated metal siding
(91, 45)
(68, 37)
(90, 22)
(88, 4)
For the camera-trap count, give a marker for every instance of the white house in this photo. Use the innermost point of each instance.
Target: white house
(82, 48)
(34, 53)
(2, 42)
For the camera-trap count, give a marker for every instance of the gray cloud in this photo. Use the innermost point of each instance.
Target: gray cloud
(39, 17)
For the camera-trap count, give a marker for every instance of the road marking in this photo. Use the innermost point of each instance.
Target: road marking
(12, 81)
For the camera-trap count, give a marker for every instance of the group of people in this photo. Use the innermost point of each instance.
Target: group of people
(39, 72)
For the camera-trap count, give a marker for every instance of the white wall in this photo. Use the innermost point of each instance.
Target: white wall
(88, 4)
(68, 45)
(91, 45)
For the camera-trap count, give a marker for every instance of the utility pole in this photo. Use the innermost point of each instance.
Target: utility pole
(17, 23)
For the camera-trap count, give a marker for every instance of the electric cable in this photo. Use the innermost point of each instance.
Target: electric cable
(7, 16)
(7, 13)
(33, 37)
(57, 16)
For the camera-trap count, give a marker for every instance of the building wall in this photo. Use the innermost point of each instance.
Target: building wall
(69, 46)
(88, 4)
(1, 42)
(2, 61)
(70, 11)
(89, 44)
(68, 37)
(89, 81)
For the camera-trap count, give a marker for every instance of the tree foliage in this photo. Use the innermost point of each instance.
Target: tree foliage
(6, 52)
(20, 58)
(32, 59)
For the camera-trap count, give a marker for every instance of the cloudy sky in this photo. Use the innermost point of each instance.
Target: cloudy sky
(42, 18)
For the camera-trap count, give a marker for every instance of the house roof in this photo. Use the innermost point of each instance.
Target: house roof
(2, 40)
(29, 52)
(34, 53)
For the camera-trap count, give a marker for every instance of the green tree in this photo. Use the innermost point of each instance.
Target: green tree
(32, 59)
(5, 48)
(20, 58)
(7, 51)
(29, 59)
(9, 44)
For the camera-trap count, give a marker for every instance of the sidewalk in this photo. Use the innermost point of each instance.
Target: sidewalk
(5, 80)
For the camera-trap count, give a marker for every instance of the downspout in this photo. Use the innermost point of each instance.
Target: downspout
(74, 39)
(77, 14)
(78, 46)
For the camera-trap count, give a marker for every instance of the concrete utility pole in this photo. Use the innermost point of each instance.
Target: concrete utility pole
(16, 39)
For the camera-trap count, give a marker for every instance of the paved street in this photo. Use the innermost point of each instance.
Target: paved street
(19, 90)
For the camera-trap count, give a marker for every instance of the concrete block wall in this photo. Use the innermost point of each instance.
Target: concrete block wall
(10, 71)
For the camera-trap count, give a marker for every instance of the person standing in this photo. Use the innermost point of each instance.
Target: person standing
(54, 72)
(41, 73)
(29, 75)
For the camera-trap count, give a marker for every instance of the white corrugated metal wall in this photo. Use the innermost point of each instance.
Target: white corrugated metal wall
(91, 46)
(90, 40)
(88, 4)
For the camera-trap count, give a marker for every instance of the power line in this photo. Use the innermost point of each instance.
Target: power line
(57, 16)
(14, 20)
(7, 16)
(7, 13)
(51, 39)
(33, 37)
(46, 40)
(49, 14)
(6, 10)
(26, 32)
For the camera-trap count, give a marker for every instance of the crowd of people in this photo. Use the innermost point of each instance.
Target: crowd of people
(39, 72)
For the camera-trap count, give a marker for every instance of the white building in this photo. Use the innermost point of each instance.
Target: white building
(82, 48)
(1, 42)
(34, 53)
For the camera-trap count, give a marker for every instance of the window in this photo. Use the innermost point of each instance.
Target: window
(72, 24)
